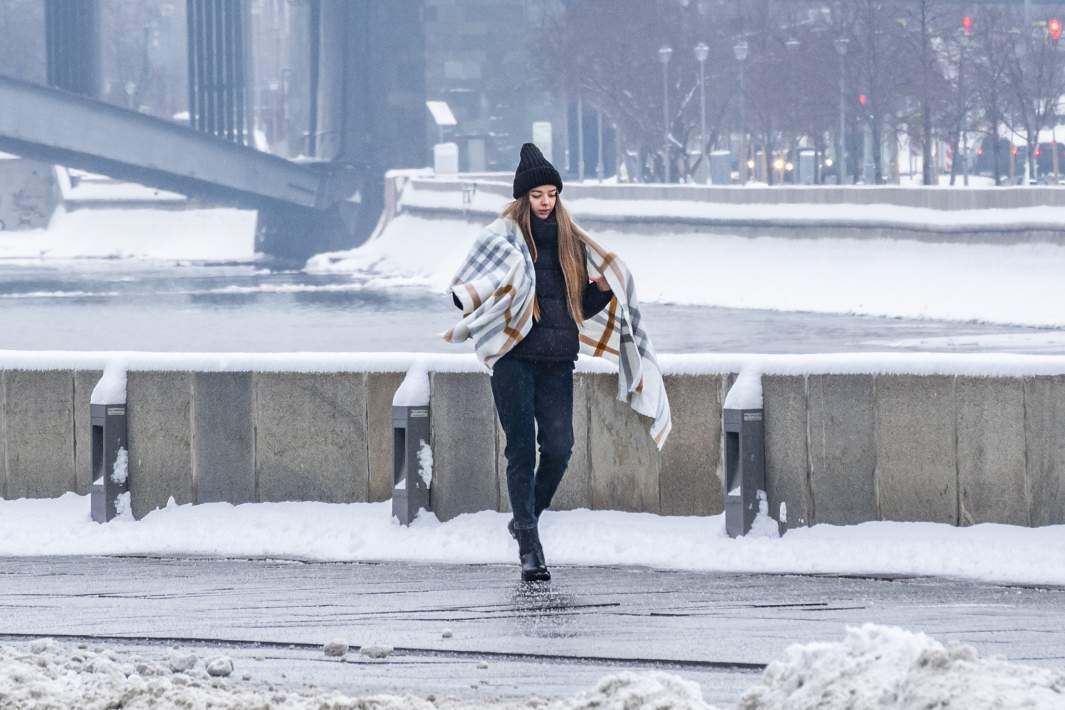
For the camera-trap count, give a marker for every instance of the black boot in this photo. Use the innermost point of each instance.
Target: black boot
(510, 529)
(531, 554)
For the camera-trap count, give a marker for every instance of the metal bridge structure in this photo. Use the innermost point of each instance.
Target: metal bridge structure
(330, 201)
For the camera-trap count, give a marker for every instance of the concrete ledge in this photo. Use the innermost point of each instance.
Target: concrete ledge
(842, 448)
(380, 389)
(625, 462)
(39, 431)
(992, 486)
(786, 456)
(1044, 425)
(917, 469)
(310, 437)
(223, 441)
(464, 444)
(160, 439)
(84, 383)
(690, 475)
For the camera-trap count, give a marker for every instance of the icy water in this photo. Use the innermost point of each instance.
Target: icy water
(136, 305)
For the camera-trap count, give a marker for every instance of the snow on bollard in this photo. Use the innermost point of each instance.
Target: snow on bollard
(746, 501)
(110, 496)
(412, 471)
(335, 648)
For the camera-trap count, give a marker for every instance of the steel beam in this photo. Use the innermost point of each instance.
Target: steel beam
(45, 124)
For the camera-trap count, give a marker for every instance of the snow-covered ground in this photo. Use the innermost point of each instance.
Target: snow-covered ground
(366, 532)
(197, 234)
(1014, 284)
(872, 667)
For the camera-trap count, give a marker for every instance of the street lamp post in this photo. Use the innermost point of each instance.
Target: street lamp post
(702, 51)
(841, 44)
(740, 50)
(664, 54)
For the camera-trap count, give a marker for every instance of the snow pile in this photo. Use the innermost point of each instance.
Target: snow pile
(629, 691)
(763, 525)
(53, 676)
(364, 532)
(888, 667)
(425, 463)
(197, 234)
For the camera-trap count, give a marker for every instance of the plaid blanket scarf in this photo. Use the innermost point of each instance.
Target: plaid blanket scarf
(496, 285)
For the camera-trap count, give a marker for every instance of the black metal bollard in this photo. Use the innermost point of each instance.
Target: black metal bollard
(410, 487)
(744, 468)
(108, 448)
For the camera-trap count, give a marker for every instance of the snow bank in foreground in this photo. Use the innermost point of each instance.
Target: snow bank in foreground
(1017, 284)
(888, 667)
(366, 532)
(874, 666)
(195, 234)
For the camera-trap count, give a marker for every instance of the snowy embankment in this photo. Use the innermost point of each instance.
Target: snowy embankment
(367, 532)
(194, 234)
(1010, 284)
(873, 667)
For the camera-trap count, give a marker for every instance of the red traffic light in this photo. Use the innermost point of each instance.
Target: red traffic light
(1054, 28)
(967, 24)
(862, 99)
(979, 151)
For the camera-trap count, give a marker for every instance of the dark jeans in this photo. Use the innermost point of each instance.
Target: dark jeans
(526, 391)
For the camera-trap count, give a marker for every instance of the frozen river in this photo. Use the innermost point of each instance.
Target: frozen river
(118, 304)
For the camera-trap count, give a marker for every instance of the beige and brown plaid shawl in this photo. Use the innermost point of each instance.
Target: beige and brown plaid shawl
(496, 285)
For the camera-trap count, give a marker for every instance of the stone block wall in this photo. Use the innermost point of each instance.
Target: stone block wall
(840, 449)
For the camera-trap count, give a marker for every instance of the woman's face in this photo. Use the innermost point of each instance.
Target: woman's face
(543, 200)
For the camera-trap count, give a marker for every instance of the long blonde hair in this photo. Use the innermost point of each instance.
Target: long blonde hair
(571, 251)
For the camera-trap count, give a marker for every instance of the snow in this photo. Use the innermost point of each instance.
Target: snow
(124, 506)
(336, 647)
(1010, 284)
(888, 667)
(111, 389)
(763, 525)
(746, 393)
(365, 532)
(414, 390)
(873, 666)
(425, 463)
(121, 469)
(962, 364)
(194, 234)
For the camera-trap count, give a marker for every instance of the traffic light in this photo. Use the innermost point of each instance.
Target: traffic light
(1054, 28)
(862, 99)
(967, 24)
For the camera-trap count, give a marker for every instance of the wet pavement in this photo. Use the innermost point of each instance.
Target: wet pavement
(475, 631)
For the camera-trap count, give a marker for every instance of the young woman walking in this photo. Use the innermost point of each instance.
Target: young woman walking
(533, 292)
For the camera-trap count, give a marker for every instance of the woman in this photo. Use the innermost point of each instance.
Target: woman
(528, 297)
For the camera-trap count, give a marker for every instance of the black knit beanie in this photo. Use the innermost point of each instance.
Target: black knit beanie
(533, 171)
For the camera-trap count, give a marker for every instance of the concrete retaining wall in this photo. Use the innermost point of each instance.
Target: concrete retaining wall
(833, 224)
(840, 449)
(29, 194)
(969, 198)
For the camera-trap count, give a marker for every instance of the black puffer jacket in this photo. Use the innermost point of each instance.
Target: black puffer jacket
(554, 336)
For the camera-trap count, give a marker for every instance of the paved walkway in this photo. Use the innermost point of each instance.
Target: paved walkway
(506, 639)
